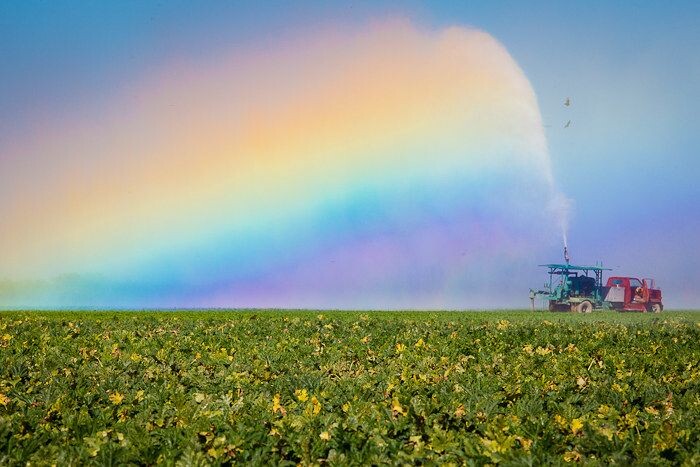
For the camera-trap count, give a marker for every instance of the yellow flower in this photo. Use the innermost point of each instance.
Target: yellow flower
(276, 406)
(561, 421)
(503, 324)
(4, 400)
(396, 407)
(316, 405)
(325, 436)
(400, 347)
(116, 398)
(551, 386)
(576, 425)
(572, 456)
(420, 343)
(524, 442)
(301, 394)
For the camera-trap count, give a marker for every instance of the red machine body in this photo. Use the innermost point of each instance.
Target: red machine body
(632, 294)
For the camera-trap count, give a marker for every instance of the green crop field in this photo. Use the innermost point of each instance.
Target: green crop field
(349, 388)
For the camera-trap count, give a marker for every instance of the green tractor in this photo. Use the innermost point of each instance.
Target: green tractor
(572, 288)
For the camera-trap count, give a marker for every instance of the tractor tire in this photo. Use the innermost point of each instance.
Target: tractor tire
(657, 308)
(585, 307)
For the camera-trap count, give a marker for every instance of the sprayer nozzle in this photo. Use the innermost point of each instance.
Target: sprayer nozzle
(566, 255)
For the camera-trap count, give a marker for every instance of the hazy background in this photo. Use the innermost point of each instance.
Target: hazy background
(628, 159)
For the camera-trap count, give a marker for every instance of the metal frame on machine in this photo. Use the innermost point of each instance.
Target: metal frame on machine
(566, 270)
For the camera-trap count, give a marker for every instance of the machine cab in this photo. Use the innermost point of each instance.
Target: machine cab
(632, 294)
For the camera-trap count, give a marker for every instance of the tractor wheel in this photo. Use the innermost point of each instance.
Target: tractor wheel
(657, 307)
(585, 307)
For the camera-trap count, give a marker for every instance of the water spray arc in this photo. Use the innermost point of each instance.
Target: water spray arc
(395, 166)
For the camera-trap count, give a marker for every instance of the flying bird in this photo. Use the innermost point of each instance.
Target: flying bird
(567, 102)
(567, 124)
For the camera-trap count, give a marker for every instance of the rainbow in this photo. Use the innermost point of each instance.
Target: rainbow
(383, 166)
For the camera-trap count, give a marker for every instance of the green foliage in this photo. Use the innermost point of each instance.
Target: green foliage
(349, 388)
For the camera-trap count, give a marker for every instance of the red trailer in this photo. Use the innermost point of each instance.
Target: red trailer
(632, 294)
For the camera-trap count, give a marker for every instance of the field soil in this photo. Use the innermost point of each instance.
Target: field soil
(311, 388)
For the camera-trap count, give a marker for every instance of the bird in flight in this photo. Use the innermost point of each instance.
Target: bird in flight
(568, 124)
(567, 102)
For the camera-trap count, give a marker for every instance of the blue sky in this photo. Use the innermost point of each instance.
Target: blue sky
(628, 160)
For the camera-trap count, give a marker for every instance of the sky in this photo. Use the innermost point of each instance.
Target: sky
(363, 155)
